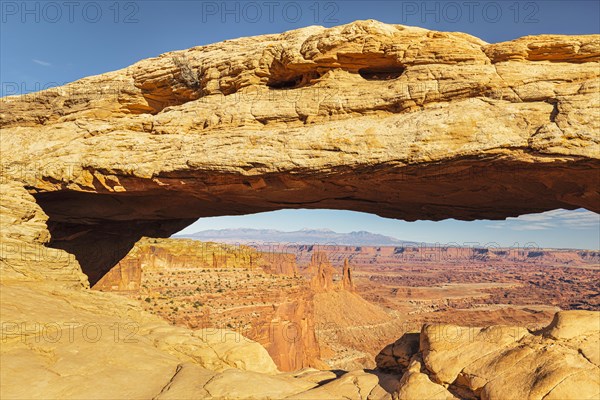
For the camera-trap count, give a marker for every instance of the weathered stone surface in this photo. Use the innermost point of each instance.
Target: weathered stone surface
(568, 325)
(448, 349)
(187, 383)
(501, 362)
(398, 121)
(236, 384)
(355, 385)
(558, 48)
(416, 385)
(397, 356)
(64, 343)
(313, 375)
(23, 234)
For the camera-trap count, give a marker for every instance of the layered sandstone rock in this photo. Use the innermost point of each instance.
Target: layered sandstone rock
(290, 336)
(399, 121)
(322, 273)
(170, 272)
(415, 385)
(164, 254)
(279, 263)
(500, 362)
(61, 343)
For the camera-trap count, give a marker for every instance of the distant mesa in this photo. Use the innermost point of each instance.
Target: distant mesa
(303, 236)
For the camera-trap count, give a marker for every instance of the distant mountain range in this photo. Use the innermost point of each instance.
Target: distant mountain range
(304, 236)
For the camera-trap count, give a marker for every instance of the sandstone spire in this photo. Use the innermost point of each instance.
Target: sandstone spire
(347, 282)
(322, 279)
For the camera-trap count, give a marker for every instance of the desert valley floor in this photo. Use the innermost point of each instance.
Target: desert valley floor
(337, 307)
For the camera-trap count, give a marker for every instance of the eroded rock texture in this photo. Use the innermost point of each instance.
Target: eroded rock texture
(500, 362)
(398, 121)
(259, 306)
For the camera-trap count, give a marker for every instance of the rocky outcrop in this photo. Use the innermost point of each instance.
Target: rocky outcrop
(279, 263)
(398, 355)
(569, 325)
(500, 362)
(62, 343)
(322, 272)
(125, 276)
(285, 328)
(415, 385)
(23, 235)
(157, 254)
(290, 338)
(324, 277)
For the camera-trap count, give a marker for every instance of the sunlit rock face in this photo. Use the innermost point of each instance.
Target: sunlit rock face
(393, 120)
(499, 362)
(253, 293)
(398, 121)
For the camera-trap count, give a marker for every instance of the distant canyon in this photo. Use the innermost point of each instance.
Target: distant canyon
(337, 307)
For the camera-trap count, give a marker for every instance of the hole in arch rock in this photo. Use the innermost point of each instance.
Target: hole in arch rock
(381, 73)
(100, 227)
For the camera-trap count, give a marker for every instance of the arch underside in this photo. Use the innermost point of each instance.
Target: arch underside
(99, 228)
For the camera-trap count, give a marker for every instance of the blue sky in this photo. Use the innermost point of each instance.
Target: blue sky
(557, 228)
(49, 43)
(44, 43)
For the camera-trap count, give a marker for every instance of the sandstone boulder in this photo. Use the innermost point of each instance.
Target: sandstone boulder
(79, 344)
(236, 384)
(572, 324)
(355, 385)
(447, 349)
(416, 385)
(397, 356)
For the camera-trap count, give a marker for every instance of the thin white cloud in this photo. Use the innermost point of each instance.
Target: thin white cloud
(42, 63)
(533, 217)
(496, 225)
(555, 219)
(533, 227)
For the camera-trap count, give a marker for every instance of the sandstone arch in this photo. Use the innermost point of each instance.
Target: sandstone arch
(397, 121)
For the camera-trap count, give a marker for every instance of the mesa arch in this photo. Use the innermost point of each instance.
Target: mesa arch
(398, 121)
